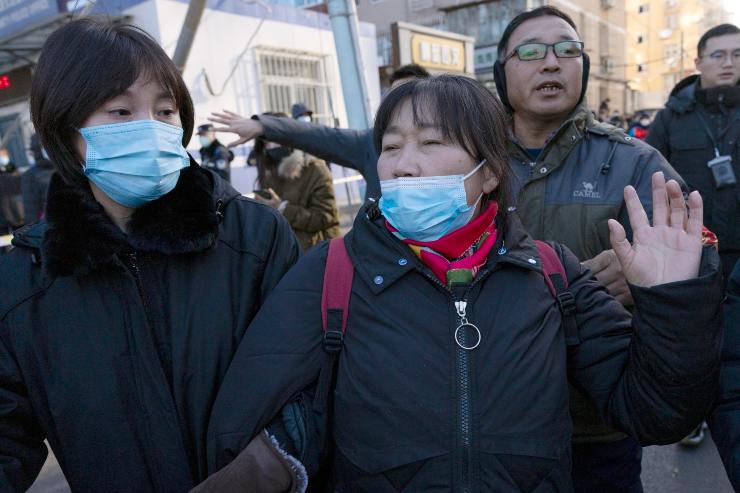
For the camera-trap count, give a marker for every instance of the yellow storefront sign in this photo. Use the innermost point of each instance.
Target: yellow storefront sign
(437, 53)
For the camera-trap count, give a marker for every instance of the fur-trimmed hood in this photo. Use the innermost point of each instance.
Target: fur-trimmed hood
(77, 236)
(292, 166)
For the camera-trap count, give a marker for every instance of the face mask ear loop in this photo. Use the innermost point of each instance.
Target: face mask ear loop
(474, 170)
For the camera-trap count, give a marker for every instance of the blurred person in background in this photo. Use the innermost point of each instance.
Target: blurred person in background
(300, 187)
(213, 154)
(35, 182)
(11, 198)
(349, 148)
(301, 113)
(639, 126)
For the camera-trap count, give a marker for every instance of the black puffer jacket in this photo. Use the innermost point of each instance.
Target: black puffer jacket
(413, 412)
(725, 422)
(113, 347)
(679, 135)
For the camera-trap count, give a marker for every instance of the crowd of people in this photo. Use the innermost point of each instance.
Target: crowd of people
(528, 297)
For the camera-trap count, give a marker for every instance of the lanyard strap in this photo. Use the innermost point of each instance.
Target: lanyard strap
(710, 134)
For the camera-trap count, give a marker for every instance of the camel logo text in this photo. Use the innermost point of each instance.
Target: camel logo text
(587, 192)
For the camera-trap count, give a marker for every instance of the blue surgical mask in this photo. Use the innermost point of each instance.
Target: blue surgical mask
(135, 162)
(427, 208)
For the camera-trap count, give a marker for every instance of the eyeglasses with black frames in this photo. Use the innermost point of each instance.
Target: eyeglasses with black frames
(537, 51)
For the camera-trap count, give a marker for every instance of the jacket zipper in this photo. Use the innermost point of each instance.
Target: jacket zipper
(463, 380)
(133, 261)
(463, 371)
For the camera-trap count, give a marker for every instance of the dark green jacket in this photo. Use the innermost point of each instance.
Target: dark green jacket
(306, 184)
(569, 193)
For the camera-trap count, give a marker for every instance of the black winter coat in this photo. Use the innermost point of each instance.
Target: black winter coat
(414, 412)
(679, 135)
(725, 421)
(114, 346)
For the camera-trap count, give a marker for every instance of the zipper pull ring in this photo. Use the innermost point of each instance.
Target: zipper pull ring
(465, 325)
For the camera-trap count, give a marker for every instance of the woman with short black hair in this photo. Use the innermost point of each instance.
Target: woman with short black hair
(462, 333)
(121, 310)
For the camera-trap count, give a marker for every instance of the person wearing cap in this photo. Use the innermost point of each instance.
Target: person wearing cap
(571, 172)
(301, 113)
(213, 154)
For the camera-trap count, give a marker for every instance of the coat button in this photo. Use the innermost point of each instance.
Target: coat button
(532, 261)
(572, 138)
(402, 261)
(628, 138)
(543, 170)
(511, 208)
(378, 280)
(502, 250)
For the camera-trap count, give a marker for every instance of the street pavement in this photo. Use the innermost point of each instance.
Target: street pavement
(670, 469)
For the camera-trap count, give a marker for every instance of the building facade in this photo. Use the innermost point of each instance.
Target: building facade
(662, 40)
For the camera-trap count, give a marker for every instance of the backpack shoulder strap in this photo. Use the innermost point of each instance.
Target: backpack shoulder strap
(557, 282)
(335, 296)
(338, 275)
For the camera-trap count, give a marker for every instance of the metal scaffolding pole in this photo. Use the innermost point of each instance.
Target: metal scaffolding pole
(344, 24)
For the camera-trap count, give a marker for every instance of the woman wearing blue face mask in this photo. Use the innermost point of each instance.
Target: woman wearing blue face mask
(121, 310)
(453, 372)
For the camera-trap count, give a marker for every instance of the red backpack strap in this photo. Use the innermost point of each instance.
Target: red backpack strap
(557, 282)
(335, 296)
(338, 275)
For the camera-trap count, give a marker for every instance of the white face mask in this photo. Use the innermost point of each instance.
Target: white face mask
(304, 118)
(204, 141)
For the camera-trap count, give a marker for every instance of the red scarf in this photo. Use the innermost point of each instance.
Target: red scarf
(465, 248)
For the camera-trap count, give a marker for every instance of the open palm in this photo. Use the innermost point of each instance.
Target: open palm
(670, 249)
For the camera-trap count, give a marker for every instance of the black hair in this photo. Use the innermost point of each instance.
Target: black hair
(259, 152)
(520, 19)
(85, 63)
(411, 70)
(499, 74)
(465, 112)
(720, 30)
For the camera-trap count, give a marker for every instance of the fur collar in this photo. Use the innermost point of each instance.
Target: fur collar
(291, 167)
(81, 238)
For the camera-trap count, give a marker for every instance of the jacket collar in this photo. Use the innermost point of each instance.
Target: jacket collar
(560, 142)
(380, 259)
(683, 96)
(292, 165)
(78, 237)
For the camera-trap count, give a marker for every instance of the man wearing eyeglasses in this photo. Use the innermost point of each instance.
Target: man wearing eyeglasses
(699, 133)
(571, 172)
